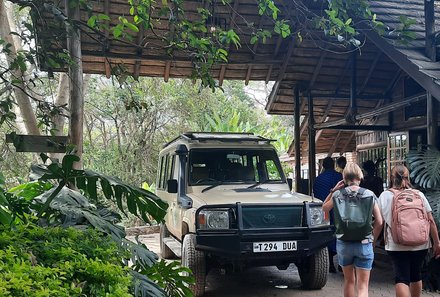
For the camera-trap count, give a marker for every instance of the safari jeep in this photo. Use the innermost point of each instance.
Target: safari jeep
(230, 207)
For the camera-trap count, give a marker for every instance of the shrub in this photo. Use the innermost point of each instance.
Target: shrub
(37, 261)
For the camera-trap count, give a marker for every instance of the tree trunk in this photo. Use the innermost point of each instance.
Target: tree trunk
(23, 100)
(62, 99)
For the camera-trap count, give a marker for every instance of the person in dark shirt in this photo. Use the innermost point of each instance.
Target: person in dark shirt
(371, 181)
(340, 164)
(321, 188)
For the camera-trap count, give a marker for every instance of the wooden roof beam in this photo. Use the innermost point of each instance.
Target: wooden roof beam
(166, 74)
(139, 50)
(275, 88)
(342, 76)
(107, 66)
(254, 53)
(370, 73)
(317, 70)
(231, 26)
(275, 53)
(376, 112)
(393, 82)
(335, 144)
(344, 149)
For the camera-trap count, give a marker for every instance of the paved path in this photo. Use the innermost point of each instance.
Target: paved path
(271, 282)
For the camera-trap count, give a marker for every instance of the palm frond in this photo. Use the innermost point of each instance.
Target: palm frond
(424, 166)
(140, 202)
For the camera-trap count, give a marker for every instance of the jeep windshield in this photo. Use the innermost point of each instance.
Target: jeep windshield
(227, 166)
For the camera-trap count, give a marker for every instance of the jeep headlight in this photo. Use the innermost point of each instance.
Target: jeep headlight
(214, 219)
(317, 216)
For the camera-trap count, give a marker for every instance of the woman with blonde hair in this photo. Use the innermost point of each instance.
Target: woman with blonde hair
(407, 259)
(355, 256)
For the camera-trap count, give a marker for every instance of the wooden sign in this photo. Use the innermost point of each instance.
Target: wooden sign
(37, 143)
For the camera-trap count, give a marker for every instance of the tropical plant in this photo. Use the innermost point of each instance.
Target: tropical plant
(60, 196)
(424, 165)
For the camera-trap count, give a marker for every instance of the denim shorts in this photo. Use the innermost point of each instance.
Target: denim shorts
(359, 254)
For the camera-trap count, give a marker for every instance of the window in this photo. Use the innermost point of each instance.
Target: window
(233, 166)
(397, 149)
(167, 164)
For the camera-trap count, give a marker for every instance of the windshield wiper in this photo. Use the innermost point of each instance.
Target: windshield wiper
(258, 183)
(212, 186)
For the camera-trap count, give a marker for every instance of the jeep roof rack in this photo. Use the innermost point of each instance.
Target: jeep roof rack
(220, 136)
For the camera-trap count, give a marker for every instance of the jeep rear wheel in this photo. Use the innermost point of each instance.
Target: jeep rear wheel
(196, 261)
(313, 270)
(165, 251)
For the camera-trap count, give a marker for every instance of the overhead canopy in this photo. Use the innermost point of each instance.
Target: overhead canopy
(314, 63)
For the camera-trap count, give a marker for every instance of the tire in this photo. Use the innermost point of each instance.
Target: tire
(165, 251)
(313, 270)
(196, 261)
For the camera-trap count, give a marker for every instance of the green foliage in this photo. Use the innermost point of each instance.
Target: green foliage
(424, 166)
(71, 262)
(60, 262)
(404, 33)
(139, 201)
(174, 287)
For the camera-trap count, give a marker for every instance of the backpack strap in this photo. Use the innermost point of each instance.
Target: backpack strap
(360, 192)
(343, 192)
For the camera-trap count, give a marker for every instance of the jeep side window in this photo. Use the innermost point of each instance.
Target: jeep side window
(161, 175)
(272, 170)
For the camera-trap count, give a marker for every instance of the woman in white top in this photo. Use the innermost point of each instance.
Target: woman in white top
(407, 260)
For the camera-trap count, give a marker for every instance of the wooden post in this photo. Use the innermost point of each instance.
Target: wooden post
(297, 139)
(312, 154)
(353, 82)
(430, 30)
(75, 80)
(431, 119)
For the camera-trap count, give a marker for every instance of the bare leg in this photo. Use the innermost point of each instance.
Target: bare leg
(416, 289)
(402, 290)
(349, 281)
(362, 281)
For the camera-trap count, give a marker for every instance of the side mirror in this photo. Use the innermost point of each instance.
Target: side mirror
(290, 183)
(172, 186)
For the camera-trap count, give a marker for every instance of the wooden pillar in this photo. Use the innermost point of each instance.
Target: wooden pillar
(297, 139)
(431, 119)
(430, 30)
(430, 49)
(76, 98)
(312, 150)
(353, 82)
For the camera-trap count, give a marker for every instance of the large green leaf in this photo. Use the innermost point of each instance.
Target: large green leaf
(424, 166)
(140, 202)
(75, 208)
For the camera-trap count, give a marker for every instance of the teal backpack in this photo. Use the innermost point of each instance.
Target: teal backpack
(353, 215)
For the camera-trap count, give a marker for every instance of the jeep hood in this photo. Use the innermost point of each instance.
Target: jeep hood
(240, 193)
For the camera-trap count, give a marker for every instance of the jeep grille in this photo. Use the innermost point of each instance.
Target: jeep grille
(272, 217)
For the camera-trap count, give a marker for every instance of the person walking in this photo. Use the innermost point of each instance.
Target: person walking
(354, 250)
(340, 163)
(321, 188)
(407, 259)
(371, 181)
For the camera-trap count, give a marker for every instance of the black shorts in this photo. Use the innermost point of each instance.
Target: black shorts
(407, 265)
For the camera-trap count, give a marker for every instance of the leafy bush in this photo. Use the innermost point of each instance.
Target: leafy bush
(37, 261)
(42, 255)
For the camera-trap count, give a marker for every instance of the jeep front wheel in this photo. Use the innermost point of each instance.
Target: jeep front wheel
(313, 270)
(196, 261)
(165, 251)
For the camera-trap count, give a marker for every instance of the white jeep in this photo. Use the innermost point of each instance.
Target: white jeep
(231, 207)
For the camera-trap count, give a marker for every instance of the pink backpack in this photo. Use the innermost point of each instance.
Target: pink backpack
(410, 223)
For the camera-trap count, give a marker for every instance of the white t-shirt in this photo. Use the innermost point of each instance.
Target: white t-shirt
(385, 203)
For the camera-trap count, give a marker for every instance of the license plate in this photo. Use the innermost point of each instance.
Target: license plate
(274, 246)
